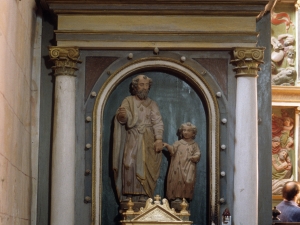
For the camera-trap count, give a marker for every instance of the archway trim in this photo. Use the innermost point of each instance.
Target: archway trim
(213, 129)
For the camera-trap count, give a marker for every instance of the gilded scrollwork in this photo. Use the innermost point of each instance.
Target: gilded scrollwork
(65, 59)
(247, 61)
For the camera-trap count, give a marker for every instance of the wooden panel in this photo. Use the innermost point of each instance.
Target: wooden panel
(158, 7)
(287, 94)
(94, 68)
(140, 45)
(142, 32)
(149, 24)
(218, 69)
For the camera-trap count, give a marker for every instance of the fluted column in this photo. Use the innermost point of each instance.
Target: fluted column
(245, 208)
(63, 149)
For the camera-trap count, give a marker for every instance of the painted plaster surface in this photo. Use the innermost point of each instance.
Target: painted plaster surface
(165, 31)
(16, 24)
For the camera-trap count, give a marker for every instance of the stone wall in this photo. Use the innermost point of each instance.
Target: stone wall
(17, 31)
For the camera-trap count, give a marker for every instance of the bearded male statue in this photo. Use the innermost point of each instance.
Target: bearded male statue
(138, 133)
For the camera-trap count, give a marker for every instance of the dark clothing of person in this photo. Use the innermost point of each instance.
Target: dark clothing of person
(290, 211)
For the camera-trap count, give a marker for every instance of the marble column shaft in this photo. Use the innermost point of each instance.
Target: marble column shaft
(63, 149)
(245, 205)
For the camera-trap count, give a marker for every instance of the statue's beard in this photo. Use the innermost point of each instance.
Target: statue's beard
(143, 94)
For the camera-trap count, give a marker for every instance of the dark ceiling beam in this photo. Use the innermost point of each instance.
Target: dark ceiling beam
(157, 7)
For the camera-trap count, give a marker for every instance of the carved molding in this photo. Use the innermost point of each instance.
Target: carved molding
(65, 59)
(156, 7)
(247, 61)
(149, 31)
(288, 94)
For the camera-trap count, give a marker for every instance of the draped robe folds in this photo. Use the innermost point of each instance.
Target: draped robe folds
(136, 164)
(182, 172)
(279, 172)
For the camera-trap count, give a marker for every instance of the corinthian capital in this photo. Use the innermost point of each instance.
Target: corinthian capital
(66, 59)
(247, 61)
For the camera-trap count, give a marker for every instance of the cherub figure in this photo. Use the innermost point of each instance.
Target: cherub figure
(283, 48)
(185, 154)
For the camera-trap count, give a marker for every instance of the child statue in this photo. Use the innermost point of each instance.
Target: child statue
(185, 154)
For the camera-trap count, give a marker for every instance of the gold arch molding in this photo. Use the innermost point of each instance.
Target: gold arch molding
(213, 130)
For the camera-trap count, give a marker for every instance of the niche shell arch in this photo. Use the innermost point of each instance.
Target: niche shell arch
(213, 128)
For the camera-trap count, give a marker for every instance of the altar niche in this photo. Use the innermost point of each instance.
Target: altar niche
(181, 99)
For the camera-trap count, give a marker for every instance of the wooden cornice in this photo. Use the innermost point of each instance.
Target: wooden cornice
(158, 7)
(288, 94)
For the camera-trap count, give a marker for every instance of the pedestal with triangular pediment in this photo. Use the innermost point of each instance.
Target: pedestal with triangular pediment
(158, 212)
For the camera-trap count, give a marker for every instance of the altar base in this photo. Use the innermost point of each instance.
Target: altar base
(156, 212)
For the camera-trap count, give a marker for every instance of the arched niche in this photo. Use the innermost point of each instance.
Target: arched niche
(102, 128)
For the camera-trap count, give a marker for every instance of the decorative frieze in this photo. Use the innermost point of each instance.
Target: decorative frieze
(286, 94)
(65, 59)
(247, 61)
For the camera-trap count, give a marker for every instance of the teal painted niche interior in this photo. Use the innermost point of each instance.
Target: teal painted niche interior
(179, 102)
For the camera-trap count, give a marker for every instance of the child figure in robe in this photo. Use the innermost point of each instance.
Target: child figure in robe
(185, 154)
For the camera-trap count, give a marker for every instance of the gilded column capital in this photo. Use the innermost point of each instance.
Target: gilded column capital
(65, 58)
(247, 61)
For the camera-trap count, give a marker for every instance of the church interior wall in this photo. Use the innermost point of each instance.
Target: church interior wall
(18, 171)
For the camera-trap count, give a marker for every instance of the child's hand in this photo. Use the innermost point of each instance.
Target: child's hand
(167, 146)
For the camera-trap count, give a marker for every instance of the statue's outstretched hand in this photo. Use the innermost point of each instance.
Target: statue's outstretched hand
(122, 115)
(158, 145)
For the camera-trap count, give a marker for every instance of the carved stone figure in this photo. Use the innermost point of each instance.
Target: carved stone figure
(185, 154)
(286, 129)
(282, 150)
(138, 132)
(281, 165)
(276, 145)
(282, 46)
(286, 77)
(282, 132)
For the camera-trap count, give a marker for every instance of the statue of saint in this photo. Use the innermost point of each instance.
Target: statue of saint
(138, 133)
(185, 154)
